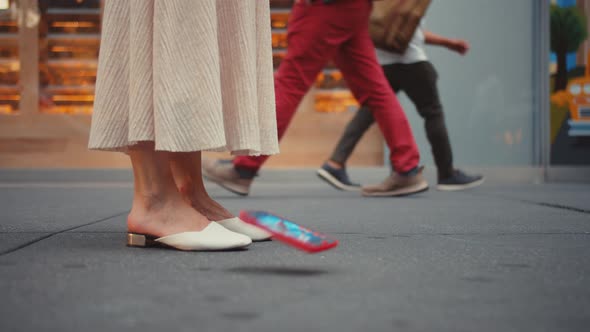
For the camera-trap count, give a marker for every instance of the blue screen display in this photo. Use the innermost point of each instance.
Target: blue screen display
(289, 228)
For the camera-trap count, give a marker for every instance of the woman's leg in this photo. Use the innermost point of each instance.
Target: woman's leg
(186, 169)
(158, 207)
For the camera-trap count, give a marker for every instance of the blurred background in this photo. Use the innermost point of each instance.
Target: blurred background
(515, 102)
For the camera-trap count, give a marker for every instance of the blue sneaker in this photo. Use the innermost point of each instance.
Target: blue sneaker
(460, 181)
(338, 178)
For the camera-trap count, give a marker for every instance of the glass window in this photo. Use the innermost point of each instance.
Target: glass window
(69, 39)
(9, 61)
(488, 95)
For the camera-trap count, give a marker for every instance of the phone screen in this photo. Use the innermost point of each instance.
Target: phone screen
(290, 230)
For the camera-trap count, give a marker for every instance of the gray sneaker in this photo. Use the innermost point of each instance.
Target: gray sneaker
(460, 181)
(338, 178)
(398, 185)
(225, 175)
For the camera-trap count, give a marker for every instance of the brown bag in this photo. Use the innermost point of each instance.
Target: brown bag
(394, 22)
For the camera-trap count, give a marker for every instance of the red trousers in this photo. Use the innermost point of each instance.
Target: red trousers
(338, 31)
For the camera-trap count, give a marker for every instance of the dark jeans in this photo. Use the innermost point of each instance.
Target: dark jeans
(418, 81)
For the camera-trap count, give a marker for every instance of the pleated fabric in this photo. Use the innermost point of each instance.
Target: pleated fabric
(189, 75)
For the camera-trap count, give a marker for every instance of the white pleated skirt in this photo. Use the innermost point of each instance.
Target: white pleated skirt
(189, 75)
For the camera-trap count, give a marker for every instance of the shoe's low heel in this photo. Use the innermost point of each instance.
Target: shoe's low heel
(140, 240)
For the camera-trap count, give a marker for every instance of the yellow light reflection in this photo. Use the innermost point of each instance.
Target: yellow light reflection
(79, 98)
(73, 25)
(334, 101)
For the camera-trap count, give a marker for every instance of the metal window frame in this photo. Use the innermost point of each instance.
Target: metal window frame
(541, 75)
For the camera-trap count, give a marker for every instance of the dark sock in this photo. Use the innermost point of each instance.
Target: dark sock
(411, 172)
(246, 173)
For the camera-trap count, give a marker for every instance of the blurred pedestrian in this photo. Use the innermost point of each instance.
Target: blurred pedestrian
(412, 73)
(319, 31)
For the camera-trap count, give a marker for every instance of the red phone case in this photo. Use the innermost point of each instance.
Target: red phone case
(287, 231)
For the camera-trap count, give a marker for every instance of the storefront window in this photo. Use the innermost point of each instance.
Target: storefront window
(9, 61)
(570, 83)
(69, 39)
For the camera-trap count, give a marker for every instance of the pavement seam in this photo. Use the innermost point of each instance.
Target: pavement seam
(559, 206)
(545, 204)
(29, 243)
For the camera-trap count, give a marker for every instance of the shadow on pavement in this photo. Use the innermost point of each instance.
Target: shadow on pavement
(280, 271)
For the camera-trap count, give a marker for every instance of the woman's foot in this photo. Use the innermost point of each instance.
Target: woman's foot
(186, 170)
(161, 217)
(176, 224)
(200, 200)
(216, 212)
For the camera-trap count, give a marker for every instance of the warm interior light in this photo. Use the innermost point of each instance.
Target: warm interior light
(279, 20)
(10, 97)
(279, 40)
(73, 110)
(332, 101)
(4, 109)
(73, 25)
(79, 98)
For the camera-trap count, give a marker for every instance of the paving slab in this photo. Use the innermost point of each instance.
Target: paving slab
(573, 196)
(58, 207)
(12, 241)
(480, 260)
(434, 283)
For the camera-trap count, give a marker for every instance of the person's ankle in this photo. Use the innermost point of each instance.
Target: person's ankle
(245, 173)
(412, 172)
(154, 200)
(333, 164)
(140, 216)
(148, 201)
(445, 175)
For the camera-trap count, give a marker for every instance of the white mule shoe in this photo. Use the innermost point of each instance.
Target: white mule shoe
(237, 225)
(212, 237)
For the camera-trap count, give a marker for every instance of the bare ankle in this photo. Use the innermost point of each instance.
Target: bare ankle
(150, 201)
(210, 208)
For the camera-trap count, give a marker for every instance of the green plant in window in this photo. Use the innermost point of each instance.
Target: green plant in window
(568, 31)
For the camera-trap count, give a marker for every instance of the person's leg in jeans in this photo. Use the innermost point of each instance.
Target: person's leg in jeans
(419, 83)
(316, 34)
(333, 171)
(360, 123)
(354, 131)
(358, 63)
(367, 82)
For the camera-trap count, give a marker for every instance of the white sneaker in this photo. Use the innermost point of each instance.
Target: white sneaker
(237, 225)
(213, 237)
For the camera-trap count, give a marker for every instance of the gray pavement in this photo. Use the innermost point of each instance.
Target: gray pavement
(502, 257)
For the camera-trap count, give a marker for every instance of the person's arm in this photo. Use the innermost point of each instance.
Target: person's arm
(457, 45)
